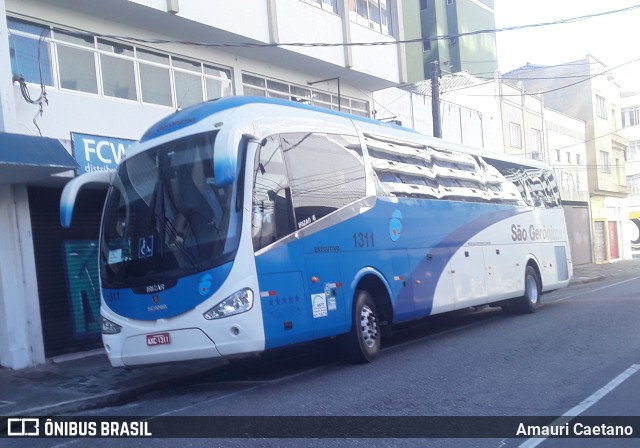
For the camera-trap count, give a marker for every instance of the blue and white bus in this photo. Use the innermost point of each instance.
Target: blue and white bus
(245, 224)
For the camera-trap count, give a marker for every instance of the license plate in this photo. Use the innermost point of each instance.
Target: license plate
(158, 339)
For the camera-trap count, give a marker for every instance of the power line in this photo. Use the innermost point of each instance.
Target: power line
(582, 62)
(358, 44)
(588, 78)
(615, 131)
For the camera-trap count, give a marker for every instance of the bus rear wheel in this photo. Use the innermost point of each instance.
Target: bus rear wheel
(530, 301)
(364, 340)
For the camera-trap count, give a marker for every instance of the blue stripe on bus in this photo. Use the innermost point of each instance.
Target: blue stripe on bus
(185, 296)
(447, 247)
(287, 303)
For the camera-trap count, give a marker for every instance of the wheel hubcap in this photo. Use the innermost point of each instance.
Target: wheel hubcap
(368, 326)
(531, 287)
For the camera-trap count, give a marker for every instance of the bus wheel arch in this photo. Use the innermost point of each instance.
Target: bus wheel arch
(371, 311)
(380, 295)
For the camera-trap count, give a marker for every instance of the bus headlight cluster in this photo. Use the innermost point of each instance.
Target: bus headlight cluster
(109, 327)
(236, 303)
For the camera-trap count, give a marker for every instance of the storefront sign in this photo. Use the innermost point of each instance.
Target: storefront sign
(97, 153)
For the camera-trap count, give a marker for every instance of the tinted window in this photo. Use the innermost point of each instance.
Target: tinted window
(536, 186)
(165, 217)
(326, 173)
(272, 212)
(455, 175)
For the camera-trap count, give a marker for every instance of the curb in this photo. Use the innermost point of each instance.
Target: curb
(581, 280)
(115, 397)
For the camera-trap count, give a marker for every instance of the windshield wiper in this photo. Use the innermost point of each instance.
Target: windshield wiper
(178, 242)
(159, 217)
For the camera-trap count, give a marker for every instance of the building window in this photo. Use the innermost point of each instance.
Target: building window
(633, 151)
(578, 160)
(77, 62)
(29, 52)
(630, 116)
(536, 140)
(188, 82)
(113, 69)
(515, 135)
(217, 82)
(613, 119)
(118, 69)
(374, 14)
(601, 107)
(155, 78)
(558, 156)
(568, 157)
(619, 170)
(328, 5)
(633, 182)
(605, 167)
(260, 86)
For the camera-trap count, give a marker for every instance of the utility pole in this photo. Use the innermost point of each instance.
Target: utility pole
(435, 99)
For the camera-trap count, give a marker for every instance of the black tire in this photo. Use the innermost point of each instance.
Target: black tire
(363, 342)
(530, 300)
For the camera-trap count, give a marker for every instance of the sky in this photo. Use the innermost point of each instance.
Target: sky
(613, 39)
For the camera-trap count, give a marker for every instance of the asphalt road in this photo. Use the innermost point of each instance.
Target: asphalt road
(564, 359)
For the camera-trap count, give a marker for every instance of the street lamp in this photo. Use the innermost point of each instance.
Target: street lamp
(337, 79)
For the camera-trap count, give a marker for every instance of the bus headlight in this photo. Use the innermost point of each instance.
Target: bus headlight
(236, 303)
(109, 327)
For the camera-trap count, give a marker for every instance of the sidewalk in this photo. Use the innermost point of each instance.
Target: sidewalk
(593, 272)
(87, 380)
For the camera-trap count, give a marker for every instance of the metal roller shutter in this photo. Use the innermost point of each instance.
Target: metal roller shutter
(67, 270)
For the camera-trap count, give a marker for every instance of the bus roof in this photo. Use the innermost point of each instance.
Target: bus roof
(196, 113)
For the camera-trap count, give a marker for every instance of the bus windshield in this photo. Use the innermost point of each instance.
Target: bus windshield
(165, 217)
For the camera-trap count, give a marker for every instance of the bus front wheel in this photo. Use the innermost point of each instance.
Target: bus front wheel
(364, 340)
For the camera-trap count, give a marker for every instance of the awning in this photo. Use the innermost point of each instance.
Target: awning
(26, 159)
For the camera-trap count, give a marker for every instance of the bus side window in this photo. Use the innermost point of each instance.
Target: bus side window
(536, 186)
(272, 211)
(326, 173)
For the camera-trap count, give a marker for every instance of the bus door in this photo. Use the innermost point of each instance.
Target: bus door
(285, 308)
(432, 285)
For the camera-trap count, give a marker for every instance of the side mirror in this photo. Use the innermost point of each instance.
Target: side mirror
(73, 187)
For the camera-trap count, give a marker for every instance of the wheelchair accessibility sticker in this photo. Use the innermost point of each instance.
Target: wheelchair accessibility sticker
(145, 247)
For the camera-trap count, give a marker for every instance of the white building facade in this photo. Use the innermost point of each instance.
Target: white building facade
(78, 84)
(470, 110)
(566, 152)
(585, 90)
(630, 108)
